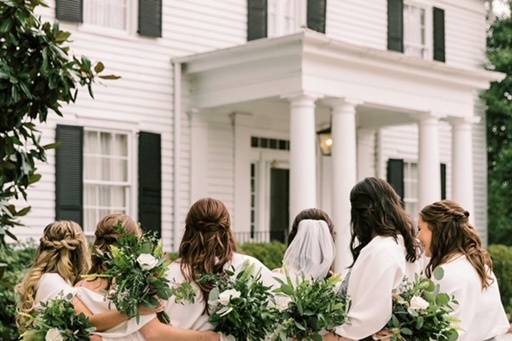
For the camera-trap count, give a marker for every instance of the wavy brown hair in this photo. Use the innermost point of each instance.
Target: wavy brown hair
(107, 234)
(63, 249)
(208, 243)
(376, 211)
(310, 213)
(452, 234)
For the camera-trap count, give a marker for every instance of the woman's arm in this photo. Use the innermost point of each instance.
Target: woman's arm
(102, 321)
(157, 331)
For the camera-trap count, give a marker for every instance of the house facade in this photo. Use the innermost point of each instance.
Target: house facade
(227, 98)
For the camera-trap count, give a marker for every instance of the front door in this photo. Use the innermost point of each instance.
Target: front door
(279, 204)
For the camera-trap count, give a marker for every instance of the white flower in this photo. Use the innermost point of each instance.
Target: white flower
(53, 335)
(418, 303)
(226, 296)
(227, 337)
(147, 261)
(282, 302)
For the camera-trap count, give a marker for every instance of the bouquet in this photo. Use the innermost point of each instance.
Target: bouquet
(240, 306)
(421, 312)
(56, 320)
(309, 308)
(137, 269)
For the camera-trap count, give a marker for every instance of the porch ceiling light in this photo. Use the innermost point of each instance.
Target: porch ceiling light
(325, 141)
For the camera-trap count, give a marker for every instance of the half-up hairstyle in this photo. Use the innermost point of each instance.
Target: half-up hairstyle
(453, 234)
(207, 244)
(63, 249)
(376, 211)
(107, 235)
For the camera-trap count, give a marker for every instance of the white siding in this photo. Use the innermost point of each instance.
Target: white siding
(480, 170)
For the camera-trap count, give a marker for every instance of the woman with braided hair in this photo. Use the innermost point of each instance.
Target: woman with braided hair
(453, 245)
(115, 325)
(208, 246)
(61, 258)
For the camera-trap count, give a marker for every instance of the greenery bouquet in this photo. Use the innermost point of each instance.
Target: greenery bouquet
(56, 320)
(309, 308)
(421, 312)
(240, 305)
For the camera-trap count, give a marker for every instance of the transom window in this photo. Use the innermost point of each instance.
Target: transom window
(106, 175)
(416, 32)
(113, 14)
(411, 187)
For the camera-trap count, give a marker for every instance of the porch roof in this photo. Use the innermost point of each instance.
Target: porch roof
(312, 62)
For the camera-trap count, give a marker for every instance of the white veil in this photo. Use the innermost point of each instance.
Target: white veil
(311, 253)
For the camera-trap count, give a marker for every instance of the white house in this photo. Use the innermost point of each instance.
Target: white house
(225, 98)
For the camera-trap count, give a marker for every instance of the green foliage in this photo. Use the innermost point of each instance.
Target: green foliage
(421, 312)
(240, 304)
(38, 74)
(270, 254)
(57, 320)
(18, 261)
(499, 132)
(502, 259)
(309, 308)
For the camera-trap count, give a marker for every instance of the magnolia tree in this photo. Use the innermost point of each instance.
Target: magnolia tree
(38, 74)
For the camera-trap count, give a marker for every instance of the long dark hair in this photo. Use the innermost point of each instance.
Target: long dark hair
(376, 211)
(452, 234)
(207, 244)
(310, 213)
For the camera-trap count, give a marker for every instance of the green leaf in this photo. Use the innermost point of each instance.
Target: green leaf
(438, 273)
(110, 77)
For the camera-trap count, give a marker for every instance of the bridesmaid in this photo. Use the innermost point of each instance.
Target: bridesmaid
(384, 251)
(92, 302)
(454, 245)
(208, 246)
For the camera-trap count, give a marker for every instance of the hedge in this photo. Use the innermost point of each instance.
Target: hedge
(502, 259)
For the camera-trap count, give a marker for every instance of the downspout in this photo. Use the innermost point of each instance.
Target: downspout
(176, 156)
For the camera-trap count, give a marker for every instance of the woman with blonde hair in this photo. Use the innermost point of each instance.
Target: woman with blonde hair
(208, 246)
(91, 294)
(454, 246)
(61, 258)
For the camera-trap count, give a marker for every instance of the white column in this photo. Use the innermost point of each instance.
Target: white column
(302, 153)
(344, 169)
(429, 182)
(462, 163)
(365, 153)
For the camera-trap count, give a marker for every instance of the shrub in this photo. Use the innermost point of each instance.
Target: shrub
(270, 254)
(18, 261)
(502, 259)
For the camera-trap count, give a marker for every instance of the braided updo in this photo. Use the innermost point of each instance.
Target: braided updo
(453, 234)
(62, 249)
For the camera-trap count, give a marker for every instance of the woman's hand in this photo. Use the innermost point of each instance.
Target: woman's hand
(143, 310)
(383, 335)
(95, 338)
(334, 337)
(211, 336)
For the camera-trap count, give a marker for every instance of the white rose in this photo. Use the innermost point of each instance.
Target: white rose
(418, 303)
(226, 296)
(53, 335)
(147, 261)
(282, 302)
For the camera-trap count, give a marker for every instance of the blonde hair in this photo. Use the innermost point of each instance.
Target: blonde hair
(63, 249)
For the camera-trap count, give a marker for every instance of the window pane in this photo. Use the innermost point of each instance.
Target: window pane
(105, 196)
(118, 196)
(107, 13)
(90, 220)
(119, 171)
(106, 143)
(120, 145)
(91, 142)
(92, 168)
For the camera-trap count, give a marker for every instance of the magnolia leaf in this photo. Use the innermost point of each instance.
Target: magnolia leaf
(110, 77)
(99, 67)
(438, 273)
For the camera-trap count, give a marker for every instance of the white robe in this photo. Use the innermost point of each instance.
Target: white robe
(480, 312)
(379, 269)
(192, 315)
(50, 286)
(128, 330)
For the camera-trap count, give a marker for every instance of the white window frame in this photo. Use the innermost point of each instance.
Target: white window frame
(131, 22)
(429, 40)
(130, 196)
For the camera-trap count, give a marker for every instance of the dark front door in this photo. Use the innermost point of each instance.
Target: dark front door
(279, 203)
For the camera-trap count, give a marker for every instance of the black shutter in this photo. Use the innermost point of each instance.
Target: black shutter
(396, 25)
(69, 10)
(256, 19)
(316, 15)
(150, 18)
(150, 182)
(439, 34)
(443, 181)
(395, 175)
(69, 173)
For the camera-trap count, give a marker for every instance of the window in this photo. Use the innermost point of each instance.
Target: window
(113, 14)
(282, 17)
(411, 187)
(106, 175)
(416, 32)
(253, 199)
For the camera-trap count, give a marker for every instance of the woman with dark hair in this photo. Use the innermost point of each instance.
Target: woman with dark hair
(454, 246)
(384, 251)
(207, 246)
